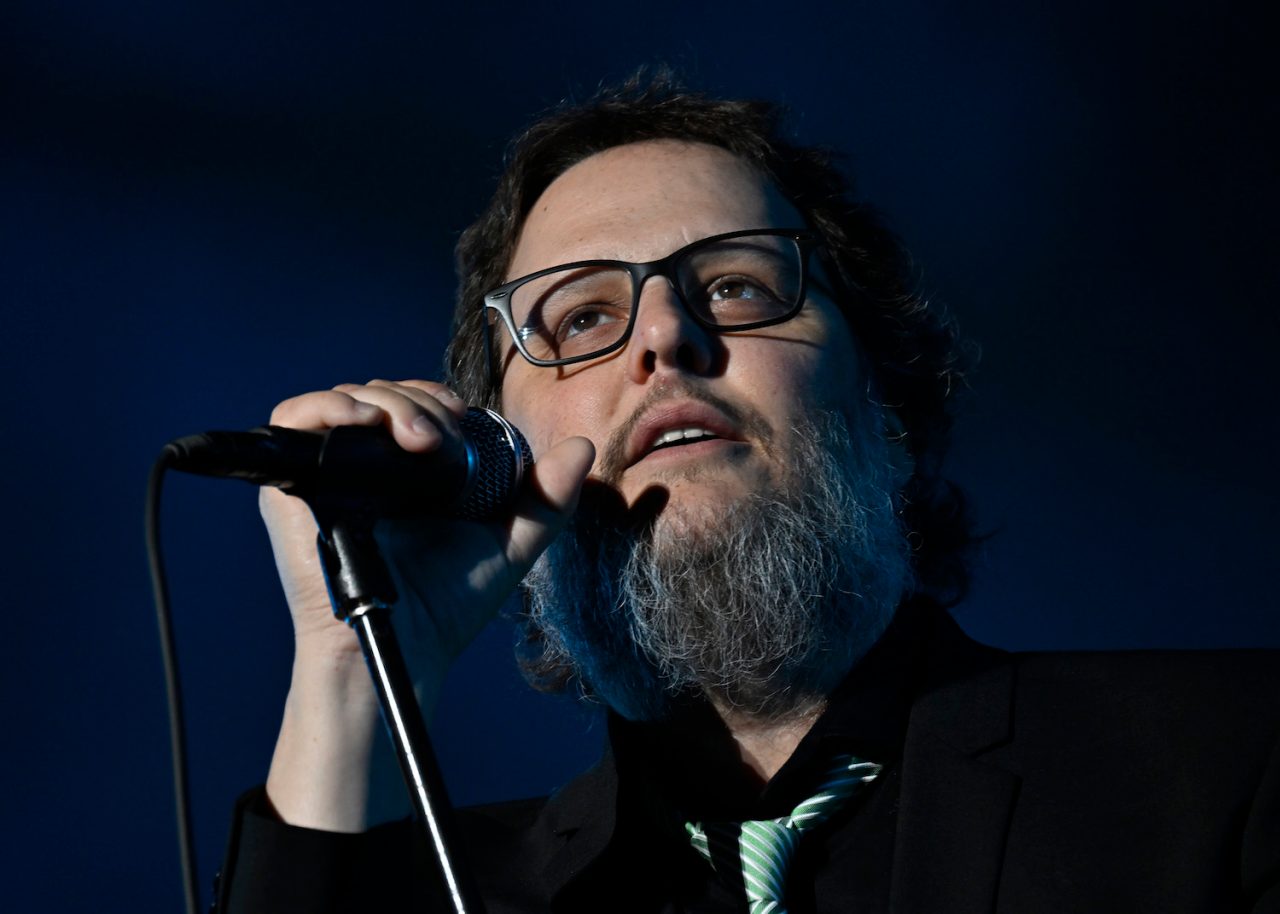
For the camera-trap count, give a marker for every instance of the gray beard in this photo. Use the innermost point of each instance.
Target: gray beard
(762, 607)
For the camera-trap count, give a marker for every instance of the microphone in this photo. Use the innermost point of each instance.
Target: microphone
(363, 463)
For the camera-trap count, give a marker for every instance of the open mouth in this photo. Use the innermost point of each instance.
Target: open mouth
(700, 426)
(680, 436)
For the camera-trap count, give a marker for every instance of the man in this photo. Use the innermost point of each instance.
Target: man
(739, 540)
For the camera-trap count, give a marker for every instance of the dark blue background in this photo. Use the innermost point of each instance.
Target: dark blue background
(211, 206)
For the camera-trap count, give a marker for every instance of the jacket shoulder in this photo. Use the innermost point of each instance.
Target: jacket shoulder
(1192, 723)
(1162, 683)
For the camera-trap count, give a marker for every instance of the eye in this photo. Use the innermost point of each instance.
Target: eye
(584, 320)
(738, 289)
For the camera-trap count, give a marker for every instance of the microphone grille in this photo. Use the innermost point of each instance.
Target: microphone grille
(502, 457)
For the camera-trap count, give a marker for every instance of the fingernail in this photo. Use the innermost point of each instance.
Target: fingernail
(367, 410)
(425, 427)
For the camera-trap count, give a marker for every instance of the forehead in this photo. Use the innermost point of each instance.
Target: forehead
(641, 201)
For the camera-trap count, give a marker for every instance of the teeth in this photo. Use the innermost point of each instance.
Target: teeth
(682, 434)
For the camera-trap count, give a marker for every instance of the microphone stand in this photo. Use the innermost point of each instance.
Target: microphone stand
(362, 592)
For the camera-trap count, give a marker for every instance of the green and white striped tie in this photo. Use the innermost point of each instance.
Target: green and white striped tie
(766, 848)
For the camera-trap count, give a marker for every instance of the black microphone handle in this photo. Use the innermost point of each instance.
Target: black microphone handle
(365, 463)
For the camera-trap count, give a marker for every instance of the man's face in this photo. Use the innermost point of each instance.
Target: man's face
(639, 203)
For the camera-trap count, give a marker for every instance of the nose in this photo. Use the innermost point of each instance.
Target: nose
(665, 336)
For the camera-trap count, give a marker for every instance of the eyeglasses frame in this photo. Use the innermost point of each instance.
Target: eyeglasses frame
(499, 299)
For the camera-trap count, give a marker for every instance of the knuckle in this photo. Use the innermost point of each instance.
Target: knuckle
(307, 408)
(284, 411)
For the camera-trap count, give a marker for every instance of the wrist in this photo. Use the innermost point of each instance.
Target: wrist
(320, 769)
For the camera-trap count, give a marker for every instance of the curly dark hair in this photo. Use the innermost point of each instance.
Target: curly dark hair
(916, 356)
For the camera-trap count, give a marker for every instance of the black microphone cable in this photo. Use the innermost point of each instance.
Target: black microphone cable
(172, 684)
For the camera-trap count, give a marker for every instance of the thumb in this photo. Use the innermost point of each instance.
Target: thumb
(551, 497)
(558, 475)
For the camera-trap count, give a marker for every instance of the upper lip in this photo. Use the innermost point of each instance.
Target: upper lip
(669, 415)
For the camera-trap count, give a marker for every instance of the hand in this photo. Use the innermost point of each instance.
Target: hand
(458, 571)
(452, 576)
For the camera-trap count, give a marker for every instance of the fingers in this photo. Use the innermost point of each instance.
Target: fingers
(421, 415)
(552, 496)
(325, 409)
(433, 389)
(559, 473)
(417, 420)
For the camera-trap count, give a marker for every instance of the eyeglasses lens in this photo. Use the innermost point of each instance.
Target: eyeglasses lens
(731, 283)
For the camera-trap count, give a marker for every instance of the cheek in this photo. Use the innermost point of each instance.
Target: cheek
(548, 414)
(838, 382)
(533, 423)
(838, 373)
(808, 378)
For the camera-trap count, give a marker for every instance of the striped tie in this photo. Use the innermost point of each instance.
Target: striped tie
(765, 848)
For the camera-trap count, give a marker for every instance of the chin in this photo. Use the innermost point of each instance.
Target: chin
(698, 505)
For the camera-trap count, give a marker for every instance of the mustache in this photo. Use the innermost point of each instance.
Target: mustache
(745, 418)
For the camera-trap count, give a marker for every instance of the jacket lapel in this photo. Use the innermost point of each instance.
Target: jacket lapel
(954, 807)
(581, 818)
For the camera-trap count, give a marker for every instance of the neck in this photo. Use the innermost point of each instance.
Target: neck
(712, 759)
(764, 745)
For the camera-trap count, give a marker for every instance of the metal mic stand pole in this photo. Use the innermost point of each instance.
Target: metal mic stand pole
(362, 592)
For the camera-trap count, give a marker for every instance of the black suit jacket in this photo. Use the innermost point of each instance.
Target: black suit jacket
(1056, 782)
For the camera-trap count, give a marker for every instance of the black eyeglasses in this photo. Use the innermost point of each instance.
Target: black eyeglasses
(577, 311)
